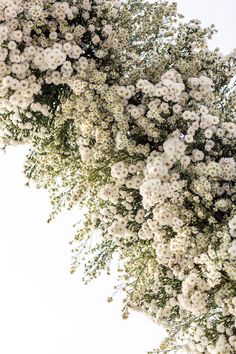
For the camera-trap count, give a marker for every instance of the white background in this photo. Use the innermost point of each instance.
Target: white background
(44, 309)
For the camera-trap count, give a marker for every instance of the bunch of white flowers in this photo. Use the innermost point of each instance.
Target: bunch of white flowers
(42, 46)
(136, 123)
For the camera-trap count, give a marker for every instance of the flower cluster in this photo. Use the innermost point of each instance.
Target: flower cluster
(42, 45)
(131, 116)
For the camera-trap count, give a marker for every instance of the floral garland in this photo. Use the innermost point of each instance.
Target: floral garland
(130, 115)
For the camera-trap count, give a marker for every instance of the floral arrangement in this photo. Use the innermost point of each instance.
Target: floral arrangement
(131, 117)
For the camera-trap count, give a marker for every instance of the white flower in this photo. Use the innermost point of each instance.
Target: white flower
(174, 148)
(198, 155)
(119, 170)
(232, 249)
(109, 192)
